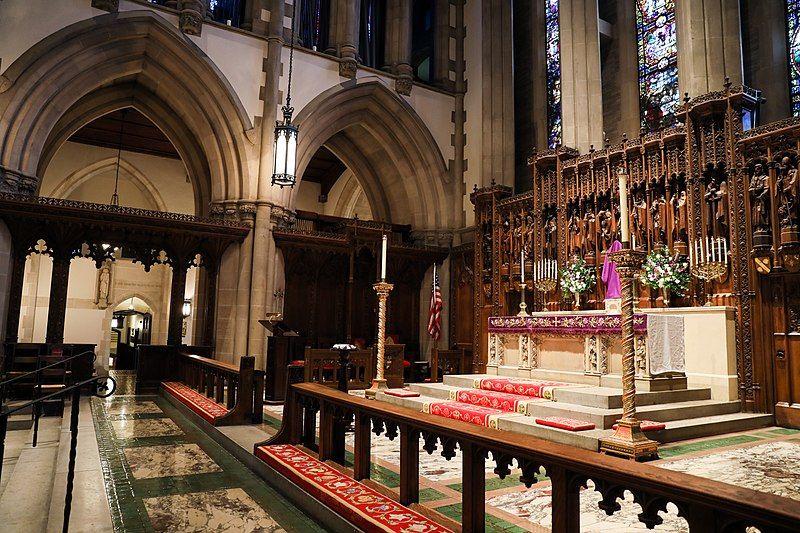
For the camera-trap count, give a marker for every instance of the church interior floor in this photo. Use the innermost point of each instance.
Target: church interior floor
(766, 459)
(163, 473)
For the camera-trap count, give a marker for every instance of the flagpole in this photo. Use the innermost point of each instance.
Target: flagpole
(435, 350)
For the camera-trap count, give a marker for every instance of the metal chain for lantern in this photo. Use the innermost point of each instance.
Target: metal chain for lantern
(285, 150)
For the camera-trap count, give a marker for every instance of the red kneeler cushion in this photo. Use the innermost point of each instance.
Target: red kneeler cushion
(647, 425)
(570, 424)
(406, 363)
(298, 362)
(208, 409)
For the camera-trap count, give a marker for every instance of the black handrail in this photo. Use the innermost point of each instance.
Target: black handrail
(51, 365)
(104, 386)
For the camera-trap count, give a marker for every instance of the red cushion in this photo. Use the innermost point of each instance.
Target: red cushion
(328, 366)
(401, 393)
(406, 364)
(570, 424)
(298, 362)
(647, 425)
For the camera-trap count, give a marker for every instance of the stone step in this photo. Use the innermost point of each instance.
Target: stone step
(711, 425)
(611, 398)
(19, 422)
(434, 390)
(605, 418)
(463, 381)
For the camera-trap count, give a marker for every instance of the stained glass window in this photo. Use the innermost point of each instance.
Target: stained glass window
(553, 57)
(225, 11)
(312, 28)
(659, 96)
(793, 34)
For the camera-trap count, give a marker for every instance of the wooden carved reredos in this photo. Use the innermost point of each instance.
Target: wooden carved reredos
(706, 177)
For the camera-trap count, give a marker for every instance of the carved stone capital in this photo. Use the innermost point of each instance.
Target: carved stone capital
(190, 20)
(247, 211)
(112, 6)
(14, 182)
(282, 217)
(217, 210)
(403, 85)
(348, 67)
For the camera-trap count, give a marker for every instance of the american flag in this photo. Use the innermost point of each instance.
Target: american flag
(435, 312)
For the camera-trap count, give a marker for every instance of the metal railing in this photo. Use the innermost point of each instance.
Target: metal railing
(102, 387)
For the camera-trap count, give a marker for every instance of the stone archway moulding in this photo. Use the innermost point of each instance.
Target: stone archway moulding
(117, 60)
(379, 136)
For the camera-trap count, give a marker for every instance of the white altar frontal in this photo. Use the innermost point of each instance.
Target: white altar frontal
(674, 348)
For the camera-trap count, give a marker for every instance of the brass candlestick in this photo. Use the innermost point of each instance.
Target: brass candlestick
(628, 440)
(523, 307)
(383, 289)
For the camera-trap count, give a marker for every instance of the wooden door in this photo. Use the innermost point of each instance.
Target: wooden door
(785, 352)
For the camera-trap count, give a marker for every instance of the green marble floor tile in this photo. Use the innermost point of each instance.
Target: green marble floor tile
(681, 449)
(430, 495)
(493, 523)
(784, 431)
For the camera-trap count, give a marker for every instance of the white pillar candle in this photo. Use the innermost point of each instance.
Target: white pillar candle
(725, 249)
(690, 256)
(521, 265)
(623, 204)
(383, 258)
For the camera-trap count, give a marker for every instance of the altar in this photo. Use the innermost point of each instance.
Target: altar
(674, 348)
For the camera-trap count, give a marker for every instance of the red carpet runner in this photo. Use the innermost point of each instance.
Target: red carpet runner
(474, 414)
(357, 503)
(535, 389)
(513, 403)
(207, 408)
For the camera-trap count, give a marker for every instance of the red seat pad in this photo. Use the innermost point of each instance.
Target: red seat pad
(474, 414)
(207, 408)
(570, 424)
(647, 425)
(536, 389)
(504, 401)
(359, 504)
(401, 393)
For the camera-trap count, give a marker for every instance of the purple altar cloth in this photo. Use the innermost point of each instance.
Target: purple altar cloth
(564, 324)
(610, 276)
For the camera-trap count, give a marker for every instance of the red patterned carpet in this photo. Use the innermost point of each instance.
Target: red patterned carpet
(560, 422)
(496, 400)
(474, 414)
(535, 389)
(207, 408)
(359, 504)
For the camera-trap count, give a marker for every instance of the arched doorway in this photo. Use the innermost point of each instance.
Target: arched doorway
(131, 325)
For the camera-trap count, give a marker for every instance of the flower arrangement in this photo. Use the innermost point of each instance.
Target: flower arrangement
(577, 278)
(664, 270)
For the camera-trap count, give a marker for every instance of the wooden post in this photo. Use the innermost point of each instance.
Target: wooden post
(57, 309)
(409, 465)
(18, 258)
(473, 497)
(325, 431)
(177, 292)
(361, 446)
(566, 501)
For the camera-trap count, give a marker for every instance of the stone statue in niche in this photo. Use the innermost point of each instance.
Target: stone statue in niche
(760, 205)
(787, 201)
(639, 216)
(103, 286)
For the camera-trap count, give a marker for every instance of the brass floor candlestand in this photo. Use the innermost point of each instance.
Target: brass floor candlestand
(628, 440)
(379, 383)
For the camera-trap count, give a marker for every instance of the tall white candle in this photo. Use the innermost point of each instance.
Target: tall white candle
(725, 249)
(383, 258)
(521, 265)
(623, 204)
(690, 256)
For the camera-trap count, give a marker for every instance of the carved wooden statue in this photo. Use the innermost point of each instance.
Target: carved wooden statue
(760, 205)
(590, 228)
(640, 215)
(787, 188)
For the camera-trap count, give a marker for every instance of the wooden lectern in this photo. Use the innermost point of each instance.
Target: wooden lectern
(283, 347)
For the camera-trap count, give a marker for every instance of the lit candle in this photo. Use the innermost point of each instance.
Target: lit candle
(633, 241)
(623, 203)
(725, 249)
(522, 265)
(690, 256)
(383, 258)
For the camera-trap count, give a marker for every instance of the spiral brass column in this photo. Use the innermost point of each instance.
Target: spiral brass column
(379, 382)
(628, 440)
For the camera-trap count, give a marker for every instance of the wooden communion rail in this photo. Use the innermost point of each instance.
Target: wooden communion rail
(705, 504)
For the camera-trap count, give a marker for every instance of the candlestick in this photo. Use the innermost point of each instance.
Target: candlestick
(379, 383)
(623, 204)
(383, 258)
(522, 265)
(725, 249)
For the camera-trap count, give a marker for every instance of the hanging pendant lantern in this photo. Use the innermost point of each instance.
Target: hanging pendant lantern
(285, 150)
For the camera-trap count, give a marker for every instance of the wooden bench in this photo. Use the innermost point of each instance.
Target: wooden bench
(357, 503)
(322, 366)
(221, 393)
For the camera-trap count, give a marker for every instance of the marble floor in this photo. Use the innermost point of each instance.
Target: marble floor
(766, 459)
(162, 473)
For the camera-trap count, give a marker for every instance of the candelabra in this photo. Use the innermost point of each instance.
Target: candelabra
(709, 261)
(545, 275)
(383, 289)
(628, 440)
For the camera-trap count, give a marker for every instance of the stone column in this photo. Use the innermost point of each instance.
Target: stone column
(498, 93)
(210, 299)
(581, 85)
(251, 20)
(176, 296)
(765, 56)
(247, 212)
(709, 45)
(398, 44)
(17, 277)
(441, 44)
(57, 307)
(263, 251)
(347, 15)
(625, 76)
